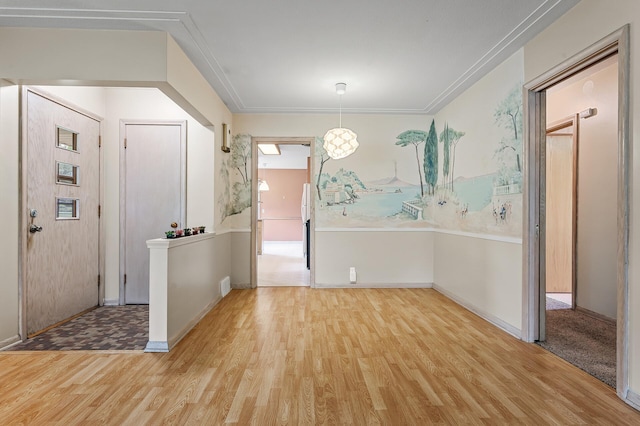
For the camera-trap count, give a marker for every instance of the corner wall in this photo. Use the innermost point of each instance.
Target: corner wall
(9, 127)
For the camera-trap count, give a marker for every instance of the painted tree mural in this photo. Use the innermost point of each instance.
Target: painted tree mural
(322, 155)
(450, 138)
(415, 138)
(431, 159)
(508, 115)
(240, 197)
(240, 155)
(446, 154)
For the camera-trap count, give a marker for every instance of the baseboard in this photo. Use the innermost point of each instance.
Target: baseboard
(195, 320)
(515, 332)
(375, 285)
(595, 315)
(111, 302)
(633, 399)
(156, 347)
(6, 343)
(244, 286)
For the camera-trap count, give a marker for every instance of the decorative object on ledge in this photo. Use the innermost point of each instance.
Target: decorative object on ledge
(226, 133)
(177, 233)
(340, 142)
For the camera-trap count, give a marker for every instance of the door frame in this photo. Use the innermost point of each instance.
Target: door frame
(534, 97)
(254, 200)
(24, 208)
(122, 187)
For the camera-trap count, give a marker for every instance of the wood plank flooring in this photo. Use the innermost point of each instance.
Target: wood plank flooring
(303, 356)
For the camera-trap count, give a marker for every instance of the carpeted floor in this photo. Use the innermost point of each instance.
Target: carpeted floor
(588, 343)
(105, 328)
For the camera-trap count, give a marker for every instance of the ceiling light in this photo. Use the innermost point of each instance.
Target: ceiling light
(340, 142)
(269, 148)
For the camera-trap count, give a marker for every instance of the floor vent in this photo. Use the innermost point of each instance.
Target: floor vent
(225, 286)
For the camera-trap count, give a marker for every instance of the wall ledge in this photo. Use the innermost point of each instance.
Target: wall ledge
(500, 238)
(515, 332)
(169, 243)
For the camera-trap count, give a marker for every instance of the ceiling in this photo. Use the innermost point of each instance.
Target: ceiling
(283, 56)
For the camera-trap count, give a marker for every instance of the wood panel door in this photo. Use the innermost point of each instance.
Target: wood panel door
(560, 214)
(62, 193)
(154, 196)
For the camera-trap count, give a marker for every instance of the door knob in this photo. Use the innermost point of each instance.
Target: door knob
(34, 228)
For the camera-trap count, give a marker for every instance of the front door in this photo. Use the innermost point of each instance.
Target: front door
(154, 196)
(62, 193)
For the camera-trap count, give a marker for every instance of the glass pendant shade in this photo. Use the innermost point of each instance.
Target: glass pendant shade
(340, 142)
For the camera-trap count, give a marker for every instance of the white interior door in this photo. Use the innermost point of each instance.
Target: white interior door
(63, 192)
(154, 197)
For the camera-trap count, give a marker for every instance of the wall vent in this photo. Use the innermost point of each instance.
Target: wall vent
(225, 286)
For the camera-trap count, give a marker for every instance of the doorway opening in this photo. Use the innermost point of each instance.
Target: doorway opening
(595, 186)
(282, 212)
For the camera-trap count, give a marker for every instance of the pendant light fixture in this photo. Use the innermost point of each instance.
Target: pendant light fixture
(340, 142)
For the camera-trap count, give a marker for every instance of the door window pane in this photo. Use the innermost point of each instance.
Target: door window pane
(66, 139)
(66, 173)
(67, 208)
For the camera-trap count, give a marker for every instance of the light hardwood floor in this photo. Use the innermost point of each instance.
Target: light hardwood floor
(282, 264)
(305, 356)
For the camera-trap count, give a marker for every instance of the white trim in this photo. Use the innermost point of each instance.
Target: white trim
(633, 399)
(515, 332)
(223, 232)
(500, 238)
(375, 229)
(156, 347)
(376, 285)
(7, 343)
(110, 302)
(240, 230)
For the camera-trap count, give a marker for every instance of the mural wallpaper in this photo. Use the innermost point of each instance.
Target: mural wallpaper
(234, 202)
(461, 172)
(441, 198)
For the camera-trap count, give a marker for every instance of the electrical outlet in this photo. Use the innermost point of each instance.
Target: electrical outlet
(352, 275)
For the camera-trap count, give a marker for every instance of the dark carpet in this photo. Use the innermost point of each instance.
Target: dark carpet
(106, 328)
(587, 342)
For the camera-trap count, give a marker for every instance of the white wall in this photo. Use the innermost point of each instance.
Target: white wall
(585, 24)
(597, 183)
(9, 147)
(381, 258)
(483, 274)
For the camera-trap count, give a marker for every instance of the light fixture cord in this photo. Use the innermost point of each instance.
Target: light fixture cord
(340, 103)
